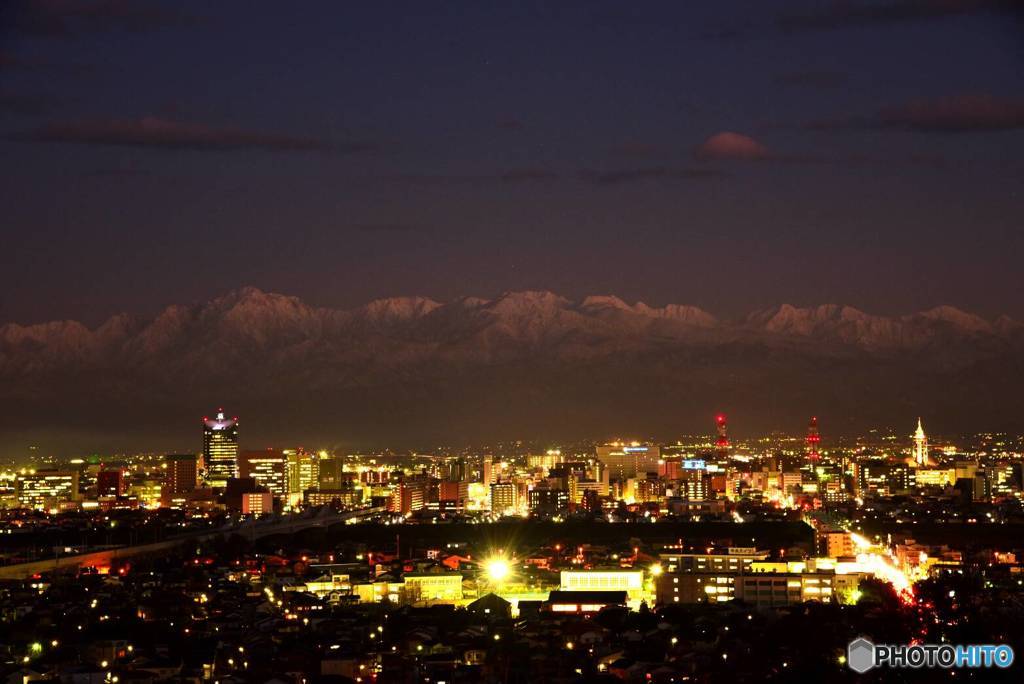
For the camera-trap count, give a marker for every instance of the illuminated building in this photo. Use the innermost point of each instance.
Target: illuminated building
(766, 590)
(584, 602)
(935, 477)
(722, 440)
(920, 446)
(220, 448)
(303, 470)
(267, 467)
(1005, 479)
(694, 587)
(381, 588)
(731, 560)
(625, 461)
(179, 477)
(111, 482)
(47, 488)
(693, 485)
(331, 471)
(434, 587)
(347, 495)
(813, 440)
(487, 471)
(457, 470)
(545, 461)
(647, 489)
(629, 581)
(879, 477)
(257, 503)
(504, 497)
(410, 495)
(789, 481)
(453, 493)
(548, 500)
(836, 544)
(833, 492)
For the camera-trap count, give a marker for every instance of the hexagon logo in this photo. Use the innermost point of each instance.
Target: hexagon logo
(860, 655)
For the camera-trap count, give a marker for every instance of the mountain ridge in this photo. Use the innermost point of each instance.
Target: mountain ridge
(532, 362)
(246, 304)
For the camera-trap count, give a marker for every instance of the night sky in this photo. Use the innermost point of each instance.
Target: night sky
(157, 153)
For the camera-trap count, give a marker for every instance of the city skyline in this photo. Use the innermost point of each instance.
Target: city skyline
(570, 341)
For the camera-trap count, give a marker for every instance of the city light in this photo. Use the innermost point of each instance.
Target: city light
(497, 569)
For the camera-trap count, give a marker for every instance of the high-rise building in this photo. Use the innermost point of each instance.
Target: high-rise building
(722, 441)
(111, 482)
(303, 470)
(548, 500)
(220, 448)
(487, 470)
(623, 462)
(180, 476)
(331, 471)
(503, 497)
(813, 440)
(267, 467)
(920, 446)
(410, 495)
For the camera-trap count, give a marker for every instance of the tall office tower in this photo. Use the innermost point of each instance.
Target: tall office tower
(220, 448)
(813, 439)
(179, 477)
(331, 473)
(503, 497)
(303, 470)
(111, 482)
(410, 495)
(722, 442)
(457, 470)
(920, 446)
(267, 467)
(488, 470)
(625, 461)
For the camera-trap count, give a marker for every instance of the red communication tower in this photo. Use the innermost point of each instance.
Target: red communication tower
(813, 439)
(722, 443)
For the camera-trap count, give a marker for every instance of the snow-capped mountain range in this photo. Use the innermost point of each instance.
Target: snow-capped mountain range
(250, 321)
(527, 356)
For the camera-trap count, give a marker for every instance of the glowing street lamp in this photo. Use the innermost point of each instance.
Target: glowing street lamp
(497, 569)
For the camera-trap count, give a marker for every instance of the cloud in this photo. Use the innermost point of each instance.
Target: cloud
(651, 173)
(839, 15)
(951, 114)
(67, 18)
(151, 132)
(955, 114)
(729, 145)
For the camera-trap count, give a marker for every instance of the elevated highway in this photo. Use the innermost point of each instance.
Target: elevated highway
(250, 529)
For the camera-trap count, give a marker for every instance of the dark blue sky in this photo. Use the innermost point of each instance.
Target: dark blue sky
(156, 153)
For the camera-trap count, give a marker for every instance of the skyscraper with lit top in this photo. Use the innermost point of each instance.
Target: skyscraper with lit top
(220, 448)
(813, 440)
